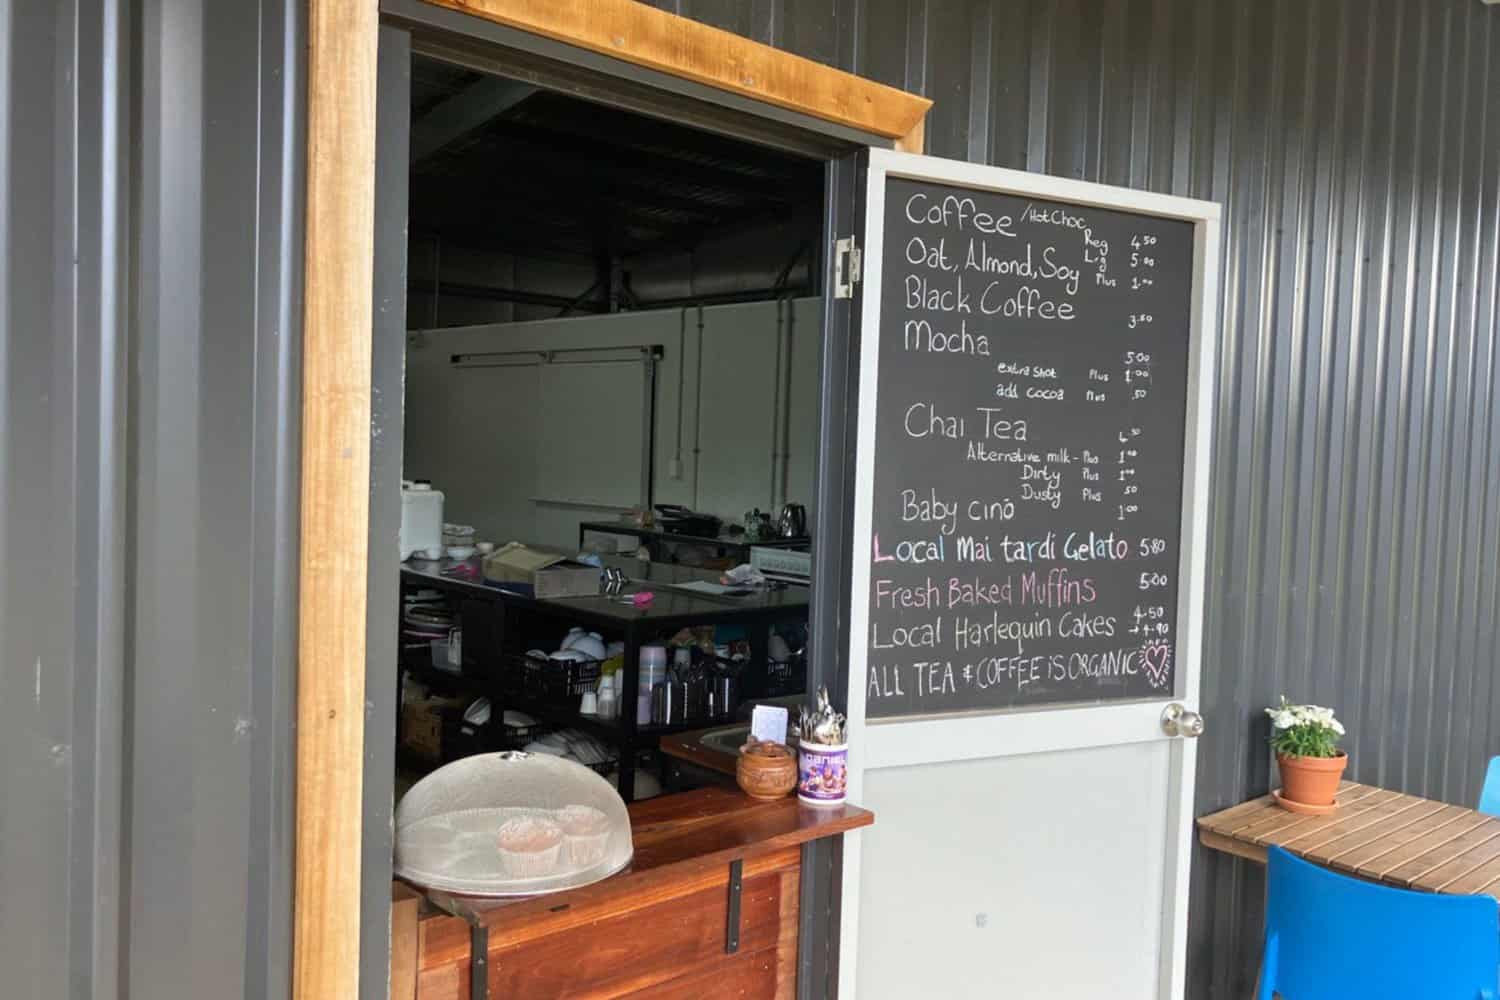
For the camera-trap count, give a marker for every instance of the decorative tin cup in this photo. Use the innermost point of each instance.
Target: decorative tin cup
(822, 773)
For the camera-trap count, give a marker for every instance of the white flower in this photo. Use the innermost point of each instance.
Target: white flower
(1286, 716)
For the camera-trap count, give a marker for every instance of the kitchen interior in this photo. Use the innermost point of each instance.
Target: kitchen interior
(610, 436)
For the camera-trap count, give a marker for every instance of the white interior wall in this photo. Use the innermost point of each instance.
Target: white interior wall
(474, 432)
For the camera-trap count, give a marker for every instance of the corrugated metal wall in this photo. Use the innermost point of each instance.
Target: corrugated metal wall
(1355, 145)
(61, 653)
(149, 413)
(213, 493)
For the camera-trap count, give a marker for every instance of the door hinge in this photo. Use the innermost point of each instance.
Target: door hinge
(846, 267)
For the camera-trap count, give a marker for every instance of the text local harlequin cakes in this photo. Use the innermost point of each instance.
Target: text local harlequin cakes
(511, 824)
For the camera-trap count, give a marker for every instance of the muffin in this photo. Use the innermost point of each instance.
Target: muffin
(585, 834)
(529, 846)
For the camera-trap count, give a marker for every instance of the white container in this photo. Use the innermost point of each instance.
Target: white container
(653, 670)
(653, 661)
(608, 701)
(421, 521)
(458, 534)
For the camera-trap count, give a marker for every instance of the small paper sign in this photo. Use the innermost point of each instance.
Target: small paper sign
(768, 724)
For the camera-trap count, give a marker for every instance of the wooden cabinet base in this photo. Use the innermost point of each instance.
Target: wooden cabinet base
(670, 944)
(662, 929)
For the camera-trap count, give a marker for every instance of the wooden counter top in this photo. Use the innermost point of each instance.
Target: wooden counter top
(675, 835)
(683, 844)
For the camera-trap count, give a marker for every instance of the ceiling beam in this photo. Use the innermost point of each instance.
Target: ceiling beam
(548, 183)
(605, 151)
(469, 109)
(688, 237)
(526, 227)
(492, 293)
(639, 34)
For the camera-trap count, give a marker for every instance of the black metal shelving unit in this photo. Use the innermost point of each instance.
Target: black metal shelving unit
(499, 623)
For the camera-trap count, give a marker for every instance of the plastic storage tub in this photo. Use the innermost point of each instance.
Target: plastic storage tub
(421, 521)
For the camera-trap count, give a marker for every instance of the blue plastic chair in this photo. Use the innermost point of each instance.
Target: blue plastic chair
(1332, 937)
(1489, 795)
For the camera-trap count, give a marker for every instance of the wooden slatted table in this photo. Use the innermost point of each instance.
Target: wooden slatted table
(1379, 835)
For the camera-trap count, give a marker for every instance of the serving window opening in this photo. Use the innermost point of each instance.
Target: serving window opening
(611, 364)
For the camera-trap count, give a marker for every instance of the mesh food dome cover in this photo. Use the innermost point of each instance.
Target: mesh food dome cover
(511, 824)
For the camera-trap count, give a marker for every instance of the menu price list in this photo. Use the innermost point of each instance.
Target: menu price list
(1030, 424)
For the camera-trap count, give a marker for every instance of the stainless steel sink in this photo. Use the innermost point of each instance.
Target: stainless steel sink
(726, 740)
(731, 738)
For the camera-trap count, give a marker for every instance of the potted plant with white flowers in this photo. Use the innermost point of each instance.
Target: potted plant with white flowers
(1305, 738)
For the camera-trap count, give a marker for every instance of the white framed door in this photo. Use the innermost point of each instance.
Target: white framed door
(1033, 813)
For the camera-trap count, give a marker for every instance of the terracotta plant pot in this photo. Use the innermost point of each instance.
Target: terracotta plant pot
(1311, 781)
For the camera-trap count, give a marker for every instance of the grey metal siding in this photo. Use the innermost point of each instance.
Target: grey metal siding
(150, 230)
(61, 649)
(1355, 146)
(212, 495)
(148, 415)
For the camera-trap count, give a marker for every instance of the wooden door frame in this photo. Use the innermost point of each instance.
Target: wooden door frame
(336, 407)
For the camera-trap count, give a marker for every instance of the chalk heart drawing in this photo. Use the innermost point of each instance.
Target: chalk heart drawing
(1156, 661)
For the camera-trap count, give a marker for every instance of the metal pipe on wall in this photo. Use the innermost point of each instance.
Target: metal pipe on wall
(776, 403)
(648, 427)
(698, 411)
(786, 417)
(437, 276)
(676, 470)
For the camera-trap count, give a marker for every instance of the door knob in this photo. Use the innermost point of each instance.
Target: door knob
(1176, 720)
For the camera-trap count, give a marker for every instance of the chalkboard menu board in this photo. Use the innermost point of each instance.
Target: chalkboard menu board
(1030, 418)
